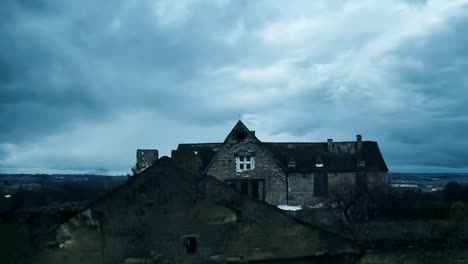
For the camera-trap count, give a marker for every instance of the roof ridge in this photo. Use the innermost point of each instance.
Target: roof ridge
(316, 142)
(204, 143)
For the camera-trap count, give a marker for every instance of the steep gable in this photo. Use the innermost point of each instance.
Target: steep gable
(265, 177)
(239, 133)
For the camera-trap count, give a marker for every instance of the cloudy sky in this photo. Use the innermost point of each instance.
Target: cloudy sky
(84, 83)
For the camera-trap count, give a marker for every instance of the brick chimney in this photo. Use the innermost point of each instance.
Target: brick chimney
(330, 144)
(359, 142)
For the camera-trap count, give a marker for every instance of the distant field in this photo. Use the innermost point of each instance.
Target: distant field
(92, 185)
(24, 190)
(425, 181)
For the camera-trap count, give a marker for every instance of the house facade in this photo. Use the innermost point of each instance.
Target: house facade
(286, 172)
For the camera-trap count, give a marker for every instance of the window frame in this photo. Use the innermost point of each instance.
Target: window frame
(255, 187)
(320, 178)
(243, 161)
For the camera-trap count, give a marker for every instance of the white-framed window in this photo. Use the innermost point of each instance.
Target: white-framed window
(245, 163)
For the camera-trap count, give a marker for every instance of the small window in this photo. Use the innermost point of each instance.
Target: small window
(245, 163)
(320, 185)
(245, 187)
(255, 189)
(190, 244)
(249, 187)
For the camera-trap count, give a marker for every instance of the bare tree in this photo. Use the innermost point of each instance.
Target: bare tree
(355, 204)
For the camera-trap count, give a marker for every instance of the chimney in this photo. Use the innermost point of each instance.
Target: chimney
(330, 144)
(148, 155)
(145, 158)
(253, 132)
(359, 142)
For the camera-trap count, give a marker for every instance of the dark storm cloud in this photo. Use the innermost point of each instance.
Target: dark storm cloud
(159, 72)
(41, 87)
(53, 65)
(433, 68)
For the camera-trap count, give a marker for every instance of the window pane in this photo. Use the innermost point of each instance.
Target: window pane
(190, 245)
(245, 187)
(320, 185)
(247, 166)
(247, 158)
(255, 189)
(241, 166)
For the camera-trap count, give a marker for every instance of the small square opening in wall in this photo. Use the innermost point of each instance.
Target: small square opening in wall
(189, 244)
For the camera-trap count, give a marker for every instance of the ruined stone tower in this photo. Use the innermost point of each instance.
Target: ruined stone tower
(145, 158)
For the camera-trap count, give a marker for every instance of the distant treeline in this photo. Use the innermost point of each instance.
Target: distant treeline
(41, 191)
(55, 175)
(451, 202)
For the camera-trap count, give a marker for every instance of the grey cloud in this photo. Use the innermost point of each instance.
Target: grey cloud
(79, 62)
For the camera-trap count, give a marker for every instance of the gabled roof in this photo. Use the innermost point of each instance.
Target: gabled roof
(305, 155)
(204, 151)
(240, 130)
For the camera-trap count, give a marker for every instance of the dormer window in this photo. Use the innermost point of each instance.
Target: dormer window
(319, 162)
(244, 163)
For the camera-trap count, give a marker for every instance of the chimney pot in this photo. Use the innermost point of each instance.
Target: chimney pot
(330, 144)
(253, 132)
(359, 141)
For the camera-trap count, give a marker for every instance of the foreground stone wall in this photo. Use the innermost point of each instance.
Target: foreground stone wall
(150, 219)
(396, 242)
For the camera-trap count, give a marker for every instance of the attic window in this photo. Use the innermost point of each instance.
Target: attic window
(244, 163)
(195, 152)
(241, 135)
(361, 163)
(319, 165)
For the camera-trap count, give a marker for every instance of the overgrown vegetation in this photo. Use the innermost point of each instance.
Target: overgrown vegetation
(411, 204)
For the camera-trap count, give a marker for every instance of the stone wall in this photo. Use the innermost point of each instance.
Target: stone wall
(394, 242)
(267, 167)
(301, 185)
(151, 218)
